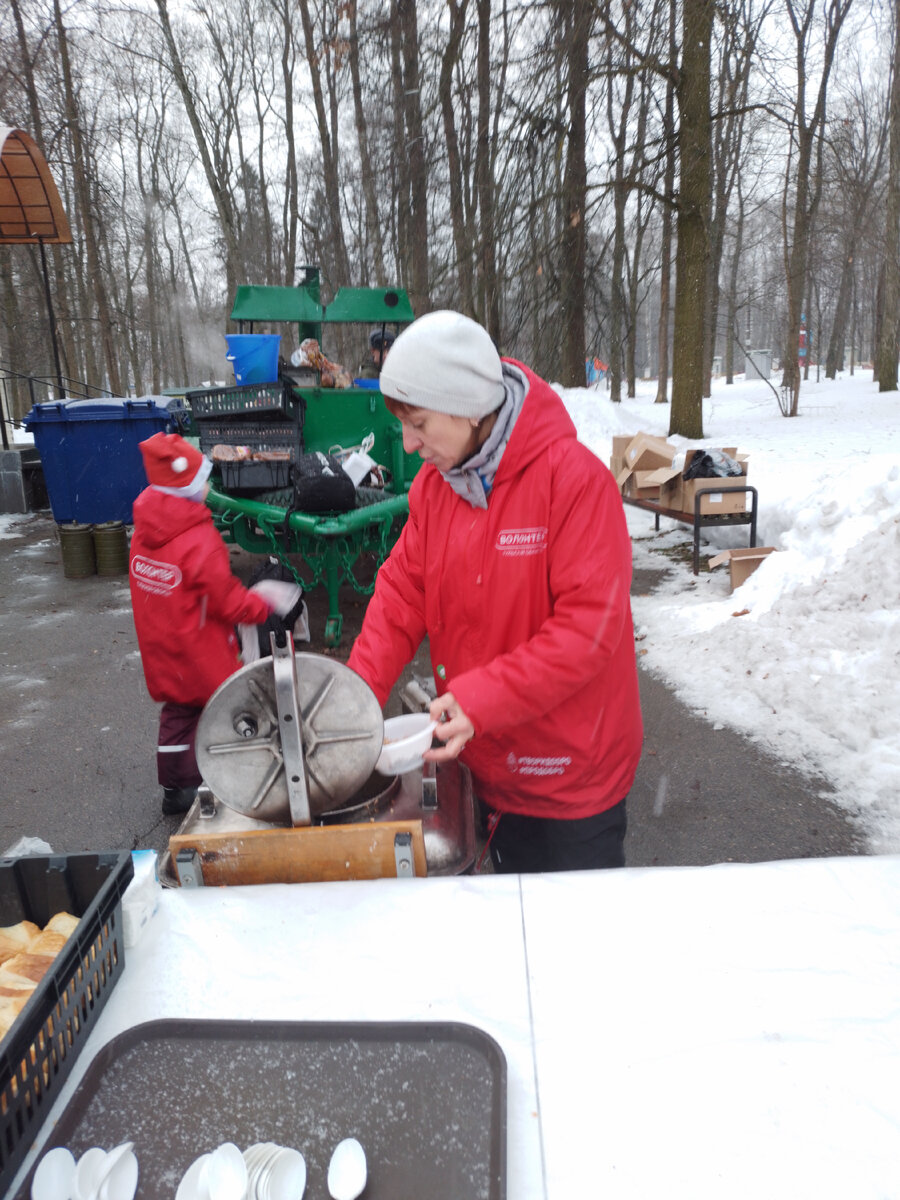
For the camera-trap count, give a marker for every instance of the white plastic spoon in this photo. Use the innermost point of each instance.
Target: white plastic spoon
(347, 1170)
(89, 1174)
(54, 1175)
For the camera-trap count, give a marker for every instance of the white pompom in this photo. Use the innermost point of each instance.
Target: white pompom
(179, 465)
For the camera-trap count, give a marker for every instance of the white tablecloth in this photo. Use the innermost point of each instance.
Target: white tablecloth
(713, 1032)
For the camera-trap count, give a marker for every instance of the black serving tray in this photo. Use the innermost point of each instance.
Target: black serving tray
(427, 1101)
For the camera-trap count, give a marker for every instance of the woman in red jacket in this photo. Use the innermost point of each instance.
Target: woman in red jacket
(516, 563)
(186, 604)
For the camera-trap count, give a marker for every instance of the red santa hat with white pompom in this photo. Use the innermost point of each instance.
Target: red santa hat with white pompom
(174, 465)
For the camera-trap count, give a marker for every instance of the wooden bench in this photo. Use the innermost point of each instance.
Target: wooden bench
(700, 520)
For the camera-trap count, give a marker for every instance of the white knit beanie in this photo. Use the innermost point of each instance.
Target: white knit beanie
(446, 362)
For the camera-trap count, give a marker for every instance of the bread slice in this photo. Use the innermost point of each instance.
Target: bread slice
(16, 938)
(29, 966)
(48, 943)
(9, 1010)
(12, 986)
(64, 923)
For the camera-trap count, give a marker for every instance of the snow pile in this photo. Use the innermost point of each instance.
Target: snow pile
(805, 656)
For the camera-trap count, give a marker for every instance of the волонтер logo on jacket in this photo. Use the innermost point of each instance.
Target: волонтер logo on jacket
(522, 764)
(517, 542)
(155, 576)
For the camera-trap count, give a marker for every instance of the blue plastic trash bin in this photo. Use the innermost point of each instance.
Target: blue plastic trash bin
(89, 450)
(254, 356)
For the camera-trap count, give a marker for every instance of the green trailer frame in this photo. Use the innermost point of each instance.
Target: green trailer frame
(332, 546)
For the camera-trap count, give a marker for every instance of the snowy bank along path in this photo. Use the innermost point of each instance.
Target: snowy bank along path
(804, 658)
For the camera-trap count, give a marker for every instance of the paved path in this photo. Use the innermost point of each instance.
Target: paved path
(77, 737)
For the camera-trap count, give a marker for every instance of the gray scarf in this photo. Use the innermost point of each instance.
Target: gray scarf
(474, 479)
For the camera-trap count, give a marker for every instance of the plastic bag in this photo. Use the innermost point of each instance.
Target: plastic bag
(712, 464)
(322, 485)
(26, 846)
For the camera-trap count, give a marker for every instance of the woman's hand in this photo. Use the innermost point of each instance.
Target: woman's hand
(454, 728)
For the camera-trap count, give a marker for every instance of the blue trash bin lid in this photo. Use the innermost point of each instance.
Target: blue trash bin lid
(114, 409)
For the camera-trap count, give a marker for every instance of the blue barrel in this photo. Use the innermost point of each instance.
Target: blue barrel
(90, 453)
(254, 356)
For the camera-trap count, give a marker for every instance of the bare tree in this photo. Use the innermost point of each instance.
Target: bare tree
(409, 101)
(665, 269)
(366, 168)
(575, 20)
(83, 190)
(692, 255)
(804, 180)
(888, 335)
(462, 240)
(855, 153)
(214, 177)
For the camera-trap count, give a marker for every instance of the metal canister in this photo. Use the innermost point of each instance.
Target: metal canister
(111, 548)
(78, 555)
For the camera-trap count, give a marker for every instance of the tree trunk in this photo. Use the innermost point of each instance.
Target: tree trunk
(692, 255)
(665, 270)
(808, 191)
(576, 21)
(291, 207)
(221, 198)
(82, 186)
(487, 261)
(414, 151)
(404, 235)
(886, 364)
(367, 174)
(461, 241)
(330, 179)
(732, 287)
(834, 359)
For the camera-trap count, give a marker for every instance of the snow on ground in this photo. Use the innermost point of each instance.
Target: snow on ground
(804, 657)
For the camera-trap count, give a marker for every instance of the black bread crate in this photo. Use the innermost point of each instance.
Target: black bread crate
(249, 477)
(256, 435)
(38, 1053)
(249, 398)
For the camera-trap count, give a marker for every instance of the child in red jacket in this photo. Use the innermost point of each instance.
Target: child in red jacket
(186, 604)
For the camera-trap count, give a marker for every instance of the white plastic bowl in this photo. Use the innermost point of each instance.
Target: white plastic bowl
(406, 739)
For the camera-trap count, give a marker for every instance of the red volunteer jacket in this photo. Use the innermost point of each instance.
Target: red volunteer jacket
(527, 609)
(186, 601)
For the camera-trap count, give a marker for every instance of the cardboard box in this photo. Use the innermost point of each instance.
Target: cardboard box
(644, 463)
(681, 493)
(650, 468)
(742, 563)
(617, 457)
(646, 452)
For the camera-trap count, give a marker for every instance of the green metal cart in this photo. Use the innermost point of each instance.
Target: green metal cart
(295, 415)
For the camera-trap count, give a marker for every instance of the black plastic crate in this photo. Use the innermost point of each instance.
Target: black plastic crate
(248, 398)
(40, 1049)
(249, 477)
(255, 434)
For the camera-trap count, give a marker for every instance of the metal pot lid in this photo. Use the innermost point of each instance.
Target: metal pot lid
(239, 742)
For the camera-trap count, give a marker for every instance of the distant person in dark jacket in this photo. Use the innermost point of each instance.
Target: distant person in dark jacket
(380, 342)
(186, 605)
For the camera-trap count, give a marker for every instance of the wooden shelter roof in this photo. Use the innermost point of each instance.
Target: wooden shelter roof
(30, 207)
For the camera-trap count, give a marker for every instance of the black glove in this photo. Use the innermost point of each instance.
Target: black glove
(273, 624)
(293, 615)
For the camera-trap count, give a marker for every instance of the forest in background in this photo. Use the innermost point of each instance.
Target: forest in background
(663, 184)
